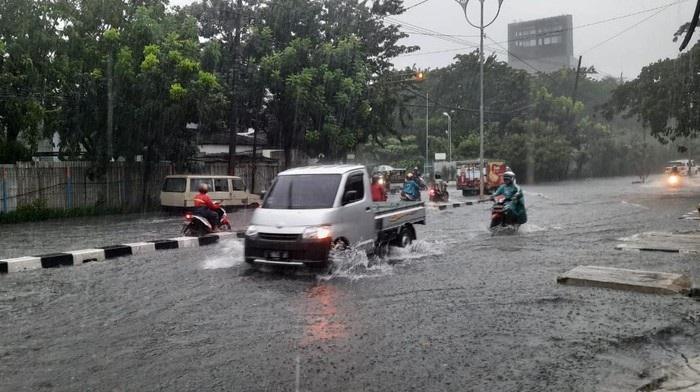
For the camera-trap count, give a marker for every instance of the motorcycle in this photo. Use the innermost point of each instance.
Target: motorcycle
(438, 193)
(673, 180)
(500, 219)
(198, 226)
(406, 197)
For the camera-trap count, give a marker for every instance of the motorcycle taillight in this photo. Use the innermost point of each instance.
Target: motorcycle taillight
(432, 192)
(188, 216)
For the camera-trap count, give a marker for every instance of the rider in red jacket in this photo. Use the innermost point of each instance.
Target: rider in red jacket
(378, 190)
(204, 206)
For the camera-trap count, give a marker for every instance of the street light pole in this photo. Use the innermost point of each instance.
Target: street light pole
(425, 166)
(449, 134)
(481, 27)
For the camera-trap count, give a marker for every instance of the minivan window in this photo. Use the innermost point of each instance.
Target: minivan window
(221, 184)
(194, 183)
(309, 191)
(238, 184)
(174, 185)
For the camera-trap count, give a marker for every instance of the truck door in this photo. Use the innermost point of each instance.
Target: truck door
(357, 216)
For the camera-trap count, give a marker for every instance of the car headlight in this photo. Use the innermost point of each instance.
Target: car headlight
(317, 232)
(251, 231)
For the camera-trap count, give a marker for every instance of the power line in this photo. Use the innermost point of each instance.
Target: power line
(663, 7)
(627, 29)
(417, 4)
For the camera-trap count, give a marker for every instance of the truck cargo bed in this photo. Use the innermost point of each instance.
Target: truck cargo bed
(395, 214)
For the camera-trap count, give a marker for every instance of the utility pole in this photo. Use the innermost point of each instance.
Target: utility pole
(233, 115)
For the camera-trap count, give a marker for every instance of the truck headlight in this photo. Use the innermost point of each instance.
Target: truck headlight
(317, 232)
(252, 231)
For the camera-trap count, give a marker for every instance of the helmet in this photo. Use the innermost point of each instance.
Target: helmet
(508, 176)
(204, 188)
(409, 175)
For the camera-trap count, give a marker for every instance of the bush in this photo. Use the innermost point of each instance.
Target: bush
(37, 211)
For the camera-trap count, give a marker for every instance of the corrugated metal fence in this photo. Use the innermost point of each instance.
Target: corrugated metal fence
(71, 184)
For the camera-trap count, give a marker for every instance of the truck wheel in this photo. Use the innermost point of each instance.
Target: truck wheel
(465, 192)
(339, 244)
(405, 238)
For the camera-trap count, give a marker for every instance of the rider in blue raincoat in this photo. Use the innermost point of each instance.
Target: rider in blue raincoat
(411, 187)
(514, 195)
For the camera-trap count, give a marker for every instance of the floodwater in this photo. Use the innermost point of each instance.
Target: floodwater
(460, 310)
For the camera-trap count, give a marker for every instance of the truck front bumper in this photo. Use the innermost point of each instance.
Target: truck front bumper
(280, 252)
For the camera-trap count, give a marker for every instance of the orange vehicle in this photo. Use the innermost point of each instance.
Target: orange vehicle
(468, 175)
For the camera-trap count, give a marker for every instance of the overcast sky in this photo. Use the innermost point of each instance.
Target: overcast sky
(645, 29)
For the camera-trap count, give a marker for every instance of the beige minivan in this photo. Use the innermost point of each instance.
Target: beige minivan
(178, 191)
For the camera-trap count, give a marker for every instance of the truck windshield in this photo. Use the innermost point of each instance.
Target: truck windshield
(298, 192)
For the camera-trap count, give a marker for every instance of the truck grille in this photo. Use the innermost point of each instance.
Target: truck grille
(278, 237)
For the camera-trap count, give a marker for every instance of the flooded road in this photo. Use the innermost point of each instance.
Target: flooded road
(459, 311)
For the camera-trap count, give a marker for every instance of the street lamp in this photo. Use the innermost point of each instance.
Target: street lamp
(449, 134)
(481, 27)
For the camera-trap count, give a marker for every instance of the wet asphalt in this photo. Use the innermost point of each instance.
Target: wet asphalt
(460, 311)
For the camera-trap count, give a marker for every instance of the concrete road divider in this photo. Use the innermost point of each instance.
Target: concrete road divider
(78, 257)
(453, 205)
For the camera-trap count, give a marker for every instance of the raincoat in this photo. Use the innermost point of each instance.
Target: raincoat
(411, 187)
(516, 201)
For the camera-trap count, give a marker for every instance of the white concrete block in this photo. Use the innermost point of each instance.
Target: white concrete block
(142, 247)
(86, 255)
(24, 263)
(186, 242)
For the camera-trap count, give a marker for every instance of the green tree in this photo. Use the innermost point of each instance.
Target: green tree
(28, 77)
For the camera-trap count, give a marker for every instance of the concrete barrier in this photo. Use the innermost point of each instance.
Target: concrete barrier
(82, 256)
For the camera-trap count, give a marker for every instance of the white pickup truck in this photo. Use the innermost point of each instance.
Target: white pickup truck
(310, 210)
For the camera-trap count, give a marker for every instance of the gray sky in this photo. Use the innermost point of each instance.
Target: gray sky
(647, 39)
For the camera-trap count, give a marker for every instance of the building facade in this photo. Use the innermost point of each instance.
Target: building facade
(542, 45)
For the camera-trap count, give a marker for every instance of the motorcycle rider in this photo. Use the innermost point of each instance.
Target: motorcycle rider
(378, 190)
(411, 188)
(205, 207)
(418, 178)
(514, 197)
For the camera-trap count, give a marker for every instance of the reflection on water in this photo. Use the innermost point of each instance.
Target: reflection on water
(323, 321)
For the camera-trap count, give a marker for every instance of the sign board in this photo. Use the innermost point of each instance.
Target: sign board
(440, 156)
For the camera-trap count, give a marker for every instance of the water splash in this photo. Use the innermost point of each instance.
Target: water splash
(229, 254)
(354, 264)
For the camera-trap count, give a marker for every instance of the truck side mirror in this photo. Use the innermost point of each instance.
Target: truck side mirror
(349, 197)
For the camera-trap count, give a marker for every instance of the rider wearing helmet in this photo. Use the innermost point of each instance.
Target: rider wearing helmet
(204, 206)
(514, 195)
(411, 187)
(378, 190)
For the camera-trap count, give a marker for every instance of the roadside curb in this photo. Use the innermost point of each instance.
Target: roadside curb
(78, 257)
(452, 205)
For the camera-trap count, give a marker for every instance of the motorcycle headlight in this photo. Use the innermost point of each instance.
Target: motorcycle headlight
(252, 231)
(317, 232)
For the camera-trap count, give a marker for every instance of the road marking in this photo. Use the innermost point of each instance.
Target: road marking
(297, 379)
